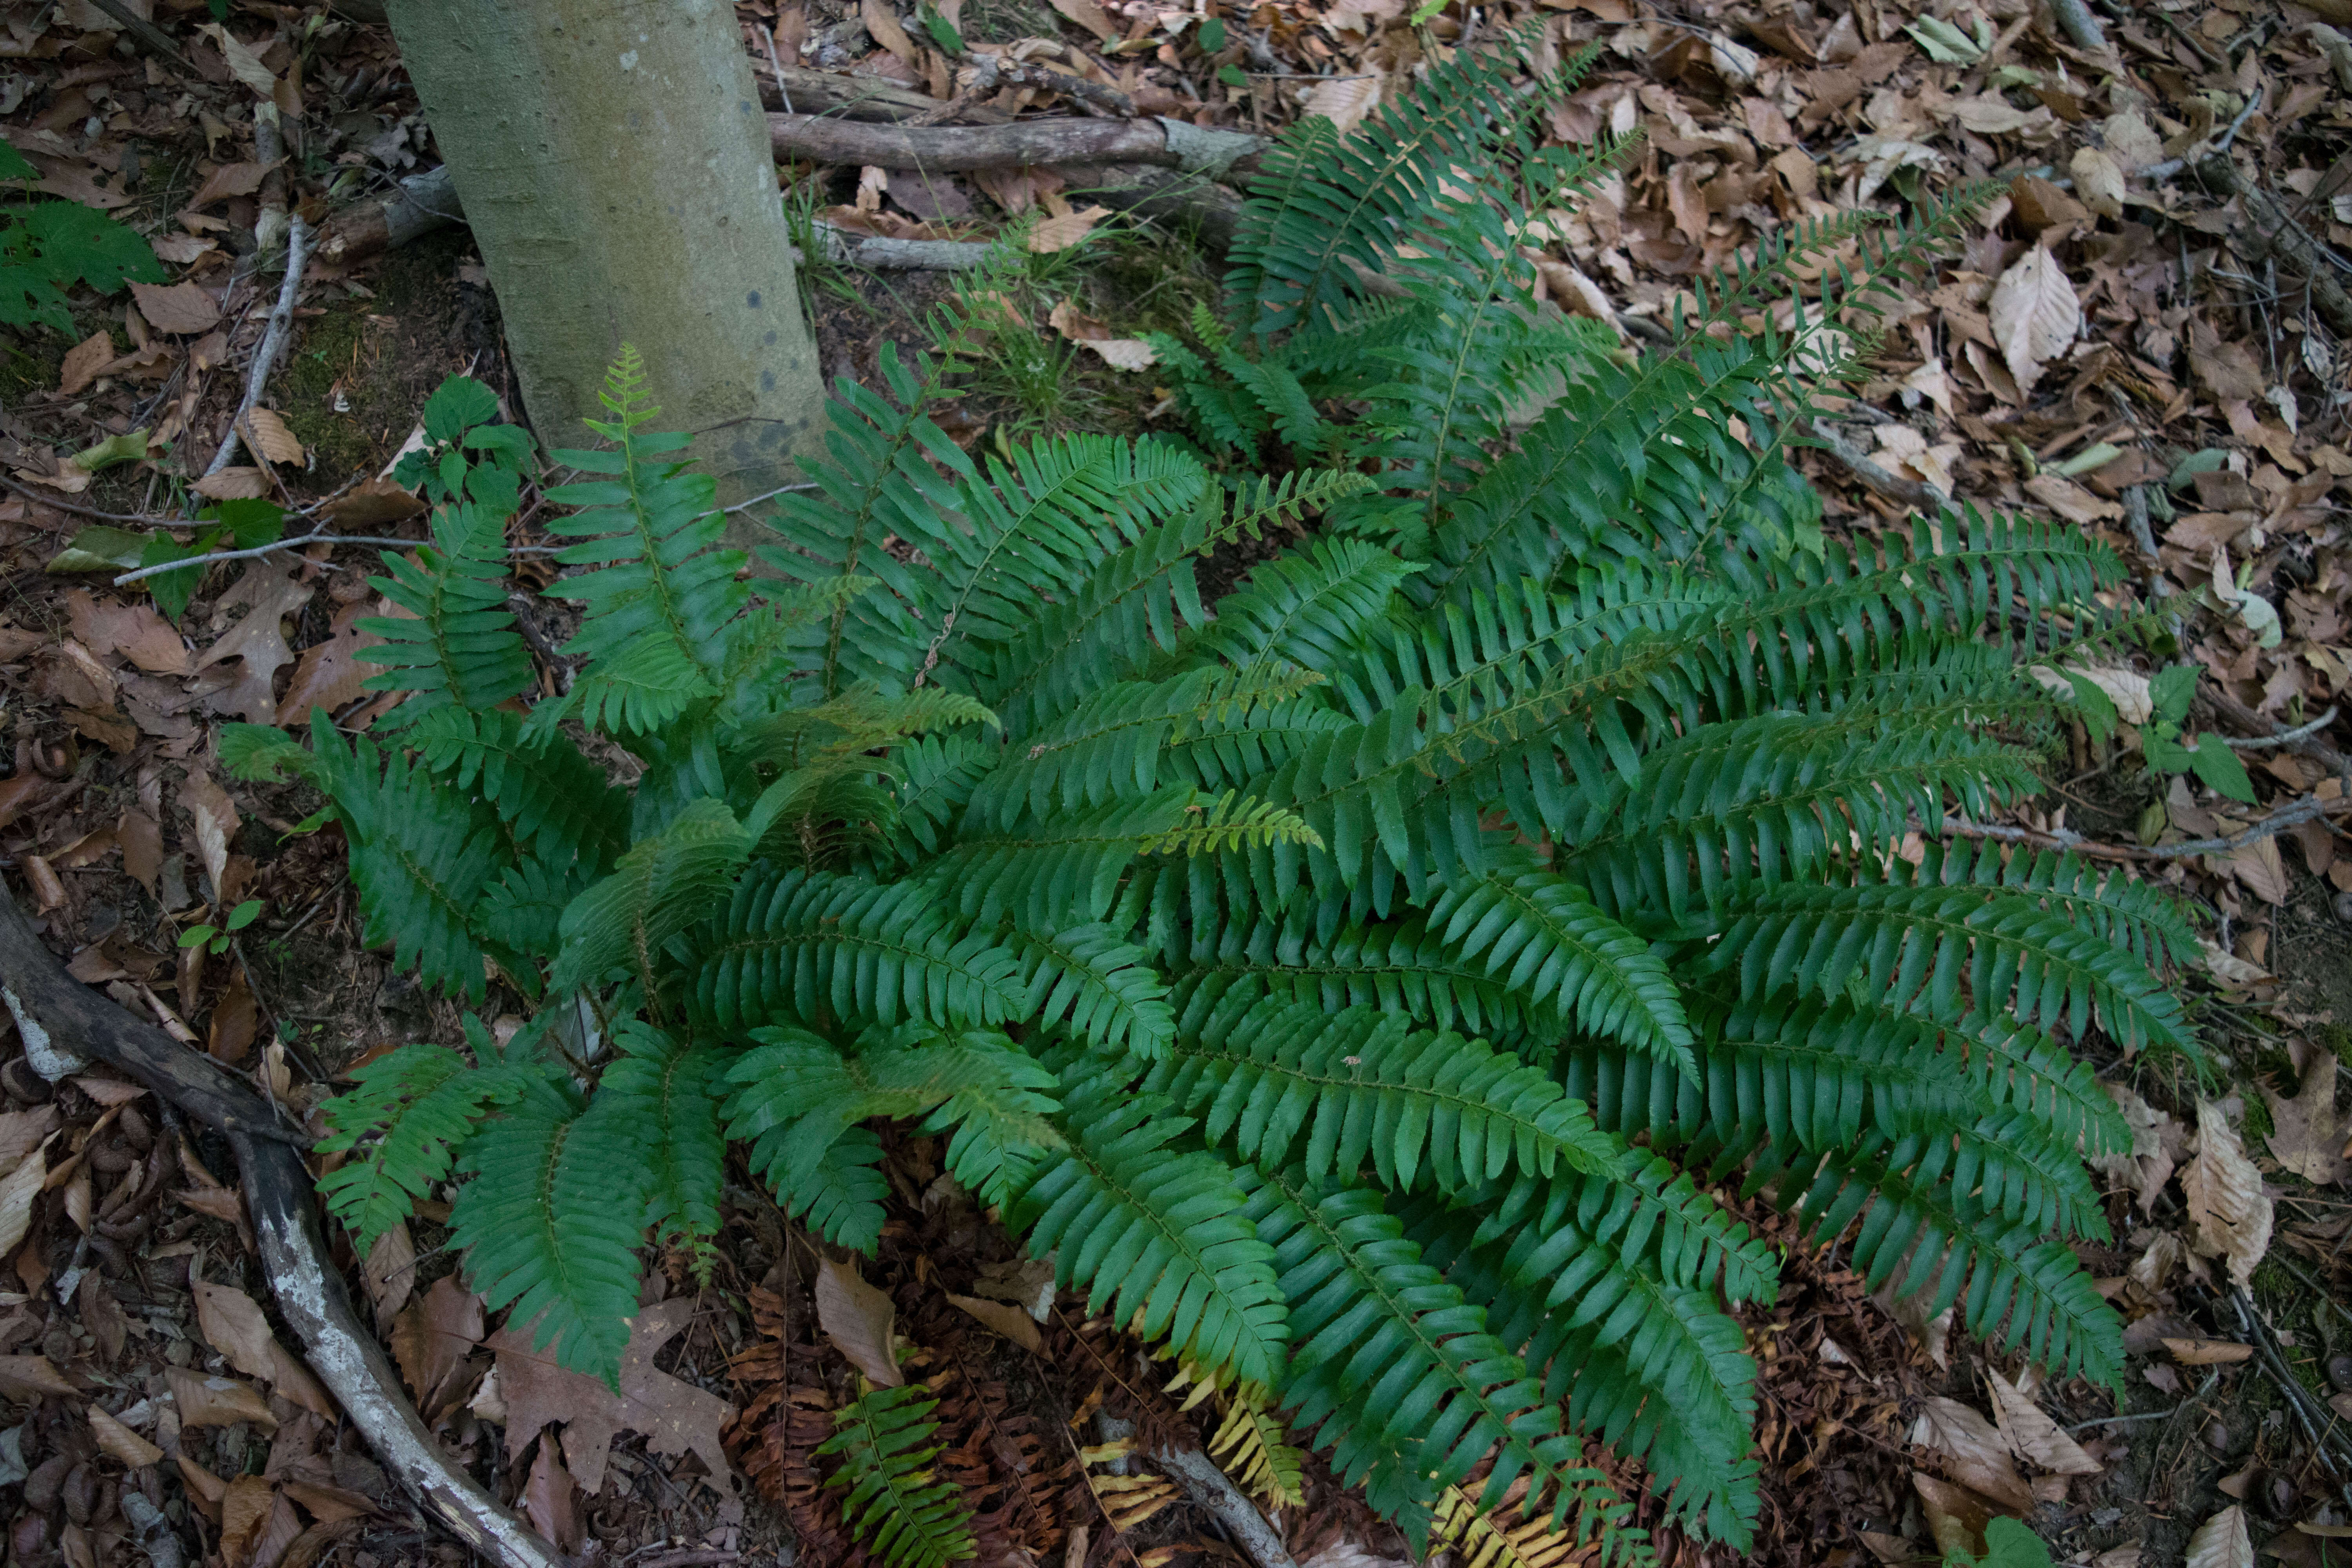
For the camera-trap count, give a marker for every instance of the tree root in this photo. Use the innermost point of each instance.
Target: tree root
(308, 1289)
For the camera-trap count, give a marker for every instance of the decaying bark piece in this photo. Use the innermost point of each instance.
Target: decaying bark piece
(308, 1291)
(943, 150)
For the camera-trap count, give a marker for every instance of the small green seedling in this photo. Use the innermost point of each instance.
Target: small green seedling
(2162, 740)
(2008, 1544)
(215, 939)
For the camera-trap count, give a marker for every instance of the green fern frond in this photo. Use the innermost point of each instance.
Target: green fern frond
(660, 1089)
(885, 1440)
(1154, 1234)
(830, 948)
(1086, 980)
(550, 1218)
(842, 1202)
(456, 646)
(664, 592)
(1231, 823)
(1362, 1088)
(412, 1109)
(660, 887)
(550, 795)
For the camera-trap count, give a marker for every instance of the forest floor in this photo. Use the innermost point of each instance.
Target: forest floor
(2146, 334)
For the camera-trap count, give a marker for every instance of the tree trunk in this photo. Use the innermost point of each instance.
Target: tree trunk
(612, 161)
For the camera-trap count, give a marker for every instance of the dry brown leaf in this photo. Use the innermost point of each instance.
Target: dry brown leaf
(2032, 1435)
(83, 361)
(329, 674)
(1061, 233)
(1086, 14)
(2071, 500)
(2259, 867)
(2157, 1144)
(16, 1195)
(431, 1340)
(119, 1442)
(2130, 141)
(2099, 181)
(232, 1324)
(258, 640)
(858, 1319)
(216, 1401)
(2229, 1213)
(230, 180)
(26, 1378)
(182, 308)
(329, 1505)
(883, 23)
(2308, 1137)
(271, 440)
(675, 1417)
(549, 1501)
(21, 1132)
(368, 507)
(1008, 1320)
(2221, 1542)
(235, 1021)
(245, 1507)
(390, 1273)
(137, 631)
(215, 821)
(141, 838)
(2035, 313)
(2227, 367)
(1973, 1451)
(233, 484)
(1957, 1517)
(2208, 1353)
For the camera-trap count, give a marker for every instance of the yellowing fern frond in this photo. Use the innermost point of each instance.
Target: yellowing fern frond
(1483, 1539)
(1250, 1442)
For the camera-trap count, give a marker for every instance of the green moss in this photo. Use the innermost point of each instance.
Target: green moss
(334, 347)
(2336, 1038)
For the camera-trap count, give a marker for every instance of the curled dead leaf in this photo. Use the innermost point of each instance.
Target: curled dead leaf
(2035, 315)
(2229, 1213)
(119, 1442)
(1007, 1320)
(271, 440)
(2208, 1353)
(857, 1318)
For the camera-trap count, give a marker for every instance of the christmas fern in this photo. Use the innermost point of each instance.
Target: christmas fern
(1367, 985)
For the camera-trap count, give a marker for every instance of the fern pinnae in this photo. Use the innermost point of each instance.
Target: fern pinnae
(457, 647)
(884, 1441)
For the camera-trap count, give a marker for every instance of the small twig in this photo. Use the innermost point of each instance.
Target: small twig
(1900, 490)
(2081, 27)
(787, 489)
(2284, 737)
(281, 318)
(2295, 814)
(260, 550)
(156, 41)
(44, 498)
(2253, 101)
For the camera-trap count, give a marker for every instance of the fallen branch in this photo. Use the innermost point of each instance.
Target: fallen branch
(152, 38)
(878, 254)
(1210, 1488)
(795, 89)
(2295, 814)
(273, 337)
(939, 150)
(1892, 486)
(2298, 741)
(2271, 230)
(416, 206)
(310, 1292)
(2082, 27)
(51, 498)
(143, 573)
(2284, 737)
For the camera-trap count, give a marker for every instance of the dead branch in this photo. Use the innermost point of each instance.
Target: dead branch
(416, 206)
(1891, 486)
(881, 254)
(2082, 30)
(940, 149)
(143, 573)
(2295, 814)
(2270, 230)
(2210, 695)
(310, 1292)
(1209, 1487)
(795, 89)
(152, 38)
(273, 337)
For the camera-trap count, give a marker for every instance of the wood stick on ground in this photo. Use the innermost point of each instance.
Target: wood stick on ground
(152, 38)
(273, 337)
(2082, 30)
(1893, 487)
(2295, 814)
(796, 90)
(1210, 1489)
(2244, 718)
(277, 1187)
(416, 206)
(2270, 230)
(942, 150)
(142, 574)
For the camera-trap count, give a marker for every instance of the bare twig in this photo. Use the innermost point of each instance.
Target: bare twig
(152, 37)
(2082, 27)
(273, 337)
(46, 499)
(2305, 808)
(783, 490)
(260, 550)
(2284, 737)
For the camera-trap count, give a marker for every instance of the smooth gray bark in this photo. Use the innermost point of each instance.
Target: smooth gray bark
(612, 161)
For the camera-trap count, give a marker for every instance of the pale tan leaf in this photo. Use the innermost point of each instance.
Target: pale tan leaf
(232, 1324)
(550, 1500)
(883, 23)
(16, 1195)
(1086, 14)
(2308, 1137)
(24, 1378)
(1973, 1451)
(83, 361)
(2221, 1542)
(2229, 1213)
(229, 180)
(1061, 233)
(215, 823)
(432, 1339)
(242, 62)
(329, 674)
(2099, 182)
(216, 1401)
(21, 1132)
(390, 1273)
(180, 308)
(675, 1416)
(366, 509)
(1123, 354)
(2071, 500)
(1007, 1320)
(272, 441)
(238, 483)
(857, 1318)
(2035, 315)
(1345, 101)
(119, 1442)
(2263, 870)
(2208, 1353)
(2032, 1435)
(2130, 141)
(2158, 1144)
(1957, 1517)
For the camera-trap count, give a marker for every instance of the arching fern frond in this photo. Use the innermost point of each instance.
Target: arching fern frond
(457, 647)
(885, 1441)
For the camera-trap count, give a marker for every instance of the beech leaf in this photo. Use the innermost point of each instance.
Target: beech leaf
(2035, 313)
(2308, 1137)
(2229, 1213)
(2221, 1542)
(2032, 1435)
(857, 1318)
